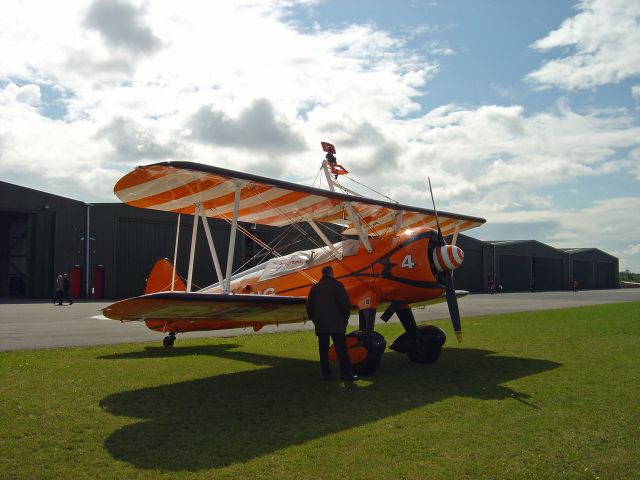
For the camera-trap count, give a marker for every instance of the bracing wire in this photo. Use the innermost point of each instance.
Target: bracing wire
(301, 231)
(375, 191)
(317, 175)
(262, 244)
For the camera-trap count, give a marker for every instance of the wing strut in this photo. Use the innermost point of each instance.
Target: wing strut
(324, 238)
(398, 223)
(175, 255)
(212, 248)
(192, 252)
(325, 167)
(356, 222)
(232, 239)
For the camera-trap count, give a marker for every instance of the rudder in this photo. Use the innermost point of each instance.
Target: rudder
(160, 278)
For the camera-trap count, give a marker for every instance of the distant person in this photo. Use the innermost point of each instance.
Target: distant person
(328, 307)
(573, 284)
(59, 290)
(66, 285)
(331, 160)
(491, 284)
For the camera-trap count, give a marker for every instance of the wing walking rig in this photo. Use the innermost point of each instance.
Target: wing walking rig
(396, 257)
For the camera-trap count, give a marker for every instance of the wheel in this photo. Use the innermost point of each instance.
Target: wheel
(168, 340)
(424, 346)
(371, 347)
(428, 345)
(428, 354)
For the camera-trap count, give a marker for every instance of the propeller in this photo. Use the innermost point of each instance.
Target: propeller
(447, 258)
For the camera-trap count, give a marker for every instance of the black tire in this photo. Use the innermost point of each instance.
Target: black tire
(375, 346)
(427, 346)
(425, 354)
(369, 366)
(167, 341)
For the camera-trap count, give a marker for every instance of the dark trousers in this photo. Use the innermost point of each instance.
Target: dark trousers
(61, 295)
(341, 351)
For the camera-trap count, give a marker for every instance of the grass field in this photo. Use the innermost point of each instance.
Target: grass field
(551, 394)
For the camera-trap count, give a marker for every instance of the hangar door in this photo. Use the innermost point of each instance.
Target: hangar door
(515, 273)
(605, 275)
(548, 273)
(583, 272)
(14, 254)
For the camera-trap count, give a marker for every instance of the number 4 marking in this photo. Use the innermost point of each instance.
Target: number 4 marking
(408, 262)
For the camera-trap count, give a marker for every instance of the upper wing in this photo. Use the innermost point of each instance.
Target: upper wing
(178, 186)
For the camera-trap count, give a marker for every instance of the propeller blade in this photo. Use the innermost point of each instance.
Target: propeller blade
(452, 300)
(440, 237)
(452, 303)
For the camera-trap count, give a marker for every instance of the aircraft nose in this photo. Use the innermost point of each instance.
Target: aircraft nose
(447, 257)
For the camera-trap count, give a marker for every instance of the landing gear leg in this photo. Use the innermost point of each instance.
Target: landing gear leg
(422, 344)
(169, 339)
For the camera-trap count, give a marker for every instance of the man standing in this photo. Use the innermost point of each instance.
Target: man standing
(59, 290)
(328, 307)
(67, 288)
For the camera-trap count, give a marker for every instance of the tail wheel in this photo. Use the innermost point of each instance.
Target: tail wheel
(167, 341)
(365, 351)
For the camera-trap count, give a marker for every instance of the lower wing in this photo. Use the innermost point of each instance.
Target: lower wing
(229, 311)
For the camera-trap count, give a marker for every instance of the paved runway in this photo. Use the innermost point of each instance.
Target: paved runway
(43, 325)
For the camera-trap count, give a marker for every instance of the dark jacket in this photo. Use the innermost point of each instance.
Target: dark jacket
(328, 306)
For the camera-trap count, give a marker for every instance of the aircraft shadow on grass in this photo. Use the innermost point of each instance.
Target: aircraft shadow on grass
(232, 418)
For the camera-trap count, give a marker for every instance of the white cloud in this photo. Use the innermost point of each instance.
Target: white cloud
(122, 25)
(256, 128)
(606, 224)
(26, 94)
(132, 142)
(236, 85)
(605, 38)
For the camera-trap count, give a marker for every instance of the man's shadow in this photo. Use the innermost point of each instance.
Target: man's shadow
(217, 421)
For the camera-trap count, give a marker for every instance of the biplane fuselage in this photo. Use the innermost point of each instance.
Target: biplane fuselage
(397, 269)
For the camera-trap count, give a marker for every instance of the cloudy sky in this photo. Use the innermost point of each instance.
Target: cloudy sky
(525, 113)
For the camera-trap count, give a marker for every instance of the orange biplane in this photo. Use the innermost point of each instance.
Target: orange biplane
(393, 257)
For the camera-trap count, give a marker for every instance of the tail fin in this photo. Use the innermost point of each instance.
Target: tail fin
(160, 278)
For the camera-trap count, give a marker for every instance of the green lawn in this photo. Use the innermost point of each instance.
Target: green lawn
(552, 394)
